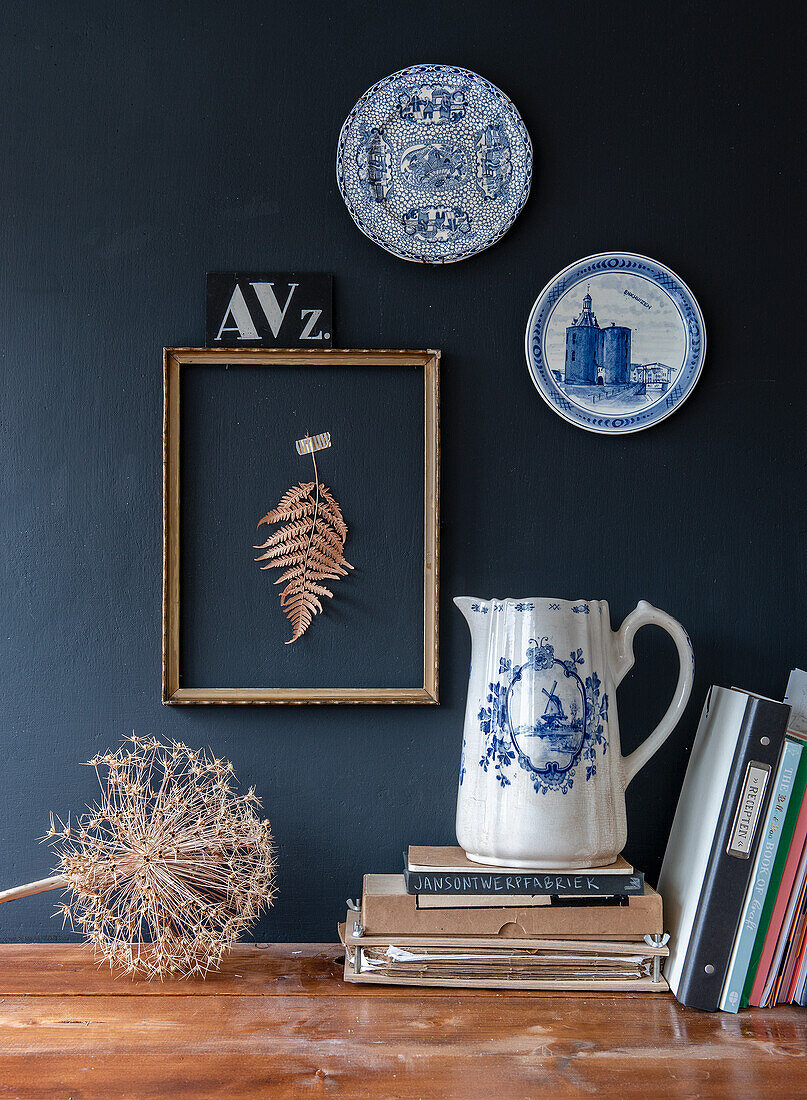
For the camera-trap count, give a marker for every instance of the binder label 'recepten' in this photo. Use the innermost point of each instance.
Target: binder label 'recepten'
(749, 808)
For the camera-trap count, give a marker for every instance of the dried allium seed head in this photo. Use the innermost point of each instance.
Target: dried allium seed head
(170, 866)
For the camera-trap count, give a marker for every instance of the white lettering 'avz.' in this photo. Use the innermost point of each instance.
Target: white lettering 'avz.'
(239, 311)
(313, 316)
(265, 293)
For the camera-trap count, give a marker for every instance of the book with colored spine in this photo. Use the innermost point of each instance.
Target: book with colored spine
(760, 877)
(786, 986)
(781, 912)
(797, 797)
(791, 895)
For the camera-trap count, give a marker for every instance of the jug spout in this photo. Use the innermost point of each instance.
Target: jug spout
(471, 607)
(464, 604)
(476, 615)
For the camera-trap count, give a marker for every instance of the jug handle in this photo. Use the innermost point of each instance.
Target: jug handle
(643, 615)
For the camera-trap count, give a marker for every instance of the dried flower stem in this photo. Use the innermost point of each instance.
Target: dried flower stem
(38, 887)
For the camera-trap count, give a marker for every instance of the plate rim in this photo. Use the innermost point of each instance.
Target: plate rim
(520, 124)
(537, 382)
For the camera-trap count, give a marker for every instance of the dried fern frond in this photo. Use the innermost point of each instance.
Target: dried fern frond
(170, 866)
(308, 547)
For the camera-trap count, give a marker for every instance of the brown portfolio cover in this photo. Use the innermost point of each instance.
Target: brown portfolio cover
(387, 909)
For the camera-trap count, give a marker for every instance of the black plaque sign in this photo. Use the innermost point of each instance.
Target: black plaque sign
(280, 310)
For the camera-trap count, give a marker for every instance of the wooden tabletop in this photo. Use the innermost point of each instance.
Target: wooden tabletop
(279, 1021)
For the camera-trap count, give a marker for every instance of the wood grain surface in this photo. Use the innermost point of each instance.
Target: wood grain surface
(279, 1021)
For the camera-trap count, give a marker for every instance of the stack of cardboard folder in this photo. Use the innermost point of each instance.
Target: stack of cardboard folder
(448, 922)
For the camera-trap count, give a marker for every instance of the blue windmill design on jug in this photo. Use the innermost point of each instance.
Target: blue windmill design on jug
(550, 743)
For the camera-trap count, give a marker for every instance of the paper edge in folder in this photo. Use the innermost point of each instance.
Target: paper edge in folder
(557, 985)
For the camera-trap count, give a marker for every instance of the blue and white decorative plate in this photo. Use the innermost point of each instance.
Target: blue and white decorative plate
(615, 343)
(434, 163)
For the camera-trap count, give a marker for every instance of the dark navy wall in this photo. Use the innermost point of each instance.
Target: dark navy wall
(147, 143)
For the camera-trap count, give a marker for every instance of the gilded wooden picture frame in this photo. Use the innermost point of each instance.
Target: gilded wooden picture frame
(230, 421)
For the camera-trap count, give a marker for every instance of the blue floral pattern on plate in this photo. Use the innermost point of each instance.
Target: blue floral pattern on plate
(434, 163)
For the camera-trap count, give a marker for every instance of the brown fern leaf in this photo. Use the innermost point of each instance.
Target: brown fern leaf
(308, 547)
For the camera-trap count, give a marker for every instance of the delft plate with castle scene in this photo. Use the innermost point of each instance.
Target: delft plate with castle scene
(615, 343)
(434, 163)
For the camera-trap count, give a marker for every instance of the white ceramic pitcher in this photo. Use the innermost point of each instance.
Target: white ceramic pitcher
(542, 777)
